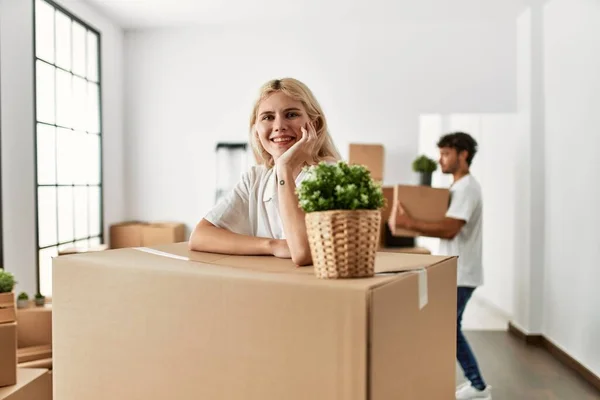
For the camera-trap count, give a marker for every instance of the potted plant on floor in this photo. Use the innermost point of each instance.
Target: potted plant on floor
(343, 213)
(7, 297)
(40, 299)
(425, 167)
(22, 300)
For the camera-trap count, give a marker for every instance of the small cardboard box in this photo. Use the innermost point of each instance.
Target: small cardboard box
(32, 384)
(8, 354)
(369, 155)
(162, 233)
(141, 234)
(221, 327)
(34, 326)
(126, 234)
(7, 308)
(421, 202)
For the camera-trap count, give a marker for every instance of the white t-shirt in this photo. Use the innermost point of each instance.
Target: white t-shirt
(466, 204)
(251, 208)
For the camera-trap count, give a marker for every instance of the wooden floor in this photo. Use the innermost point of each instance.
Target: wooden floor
(520, 372)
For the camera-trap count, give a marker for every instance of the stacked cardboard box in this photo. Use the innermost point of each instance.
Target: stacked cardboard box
(180, 324)
(369, 155)
(8, 340)
(143, 234)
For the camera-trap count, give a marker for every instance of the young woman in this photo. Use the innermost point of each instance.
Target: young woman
(288, 131)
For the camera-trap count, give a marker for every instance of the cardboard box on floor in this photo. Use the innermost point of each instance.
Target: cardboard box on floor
(141, 234)
(180, 324)
(370, 155)
(421, 202)
(8, 354)
(32, 384)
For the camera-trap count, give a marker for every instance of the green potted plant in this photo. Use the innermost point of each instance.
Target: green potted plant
(425, 166)
(40, 299)
(7, 297)
(22, 300)
(343, 214)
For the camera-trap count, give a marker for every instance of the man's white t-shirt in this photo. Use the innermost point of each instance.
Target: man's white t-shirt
(251, 208)
(466, 204)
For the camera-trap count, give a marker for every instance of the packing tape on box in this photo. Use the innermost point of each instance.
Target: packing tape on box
(161, 253)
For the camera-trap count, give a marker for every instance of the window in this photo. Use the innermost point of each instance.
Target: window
(68, 135)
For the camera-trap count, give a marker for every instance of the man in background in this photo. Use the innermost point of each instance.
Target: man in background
(461, 235)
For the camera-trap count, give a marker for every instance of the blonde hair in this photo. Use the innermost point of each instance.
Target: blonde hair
(297, 90)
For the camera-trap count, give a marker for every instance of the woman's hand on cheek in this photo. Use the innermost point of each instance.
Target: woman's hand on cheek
(301, 152)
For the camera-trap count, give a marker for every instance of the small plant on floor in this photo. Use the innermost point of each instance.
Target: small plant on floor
(343, 214)
(7, 281)
(22, 300)
(40, 299)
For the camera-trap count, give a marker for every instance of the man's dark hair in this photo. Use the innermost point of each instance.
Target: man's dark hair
(460, 141)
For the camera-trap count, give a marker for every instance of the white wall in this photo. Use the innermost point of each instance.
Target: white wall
(572, 191)
(189, 88)
(18, 152)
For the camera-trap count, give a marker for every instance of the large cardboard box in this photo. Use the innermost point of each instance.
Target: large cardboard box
(184, 325)
(8, 354)
(34, 326)
(369, 155)
(32, 384)
(421, 202)
(138, 234)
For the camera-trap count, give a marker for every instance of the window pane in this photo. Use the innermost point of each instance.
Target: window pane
(46, 256)
(79, 103)
(93, 109)
(94, 208)
(63, 41)
(79, 40)
(46, 155)
(65, 214)
(92, 159)
(81, 212)
(92, 56)
(80, 158)
(82, 244)
(64, 98)
(66, 151)
(47, 216)
(45, 92)
(94, 242)
(44, 31)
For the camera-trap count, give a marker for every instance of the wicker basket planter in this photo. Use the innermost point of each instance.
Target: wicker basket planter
(343, 243)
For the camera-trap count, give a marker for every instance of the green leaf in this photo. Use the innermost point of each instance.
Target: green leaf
(339, 187)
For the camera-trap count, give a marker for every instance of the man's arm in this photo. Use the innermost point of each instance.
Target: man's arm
(447, 228)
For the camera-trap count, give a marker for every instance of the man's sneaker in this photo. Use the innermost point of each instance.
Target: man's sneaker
(468, 392)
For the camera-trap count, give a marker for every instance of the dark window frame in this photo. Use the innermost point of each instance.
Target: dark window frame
(100, 134)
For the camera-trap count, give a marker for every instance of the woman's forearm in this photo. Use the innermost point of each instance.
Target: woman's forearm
(210, 238)
(292, 217)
